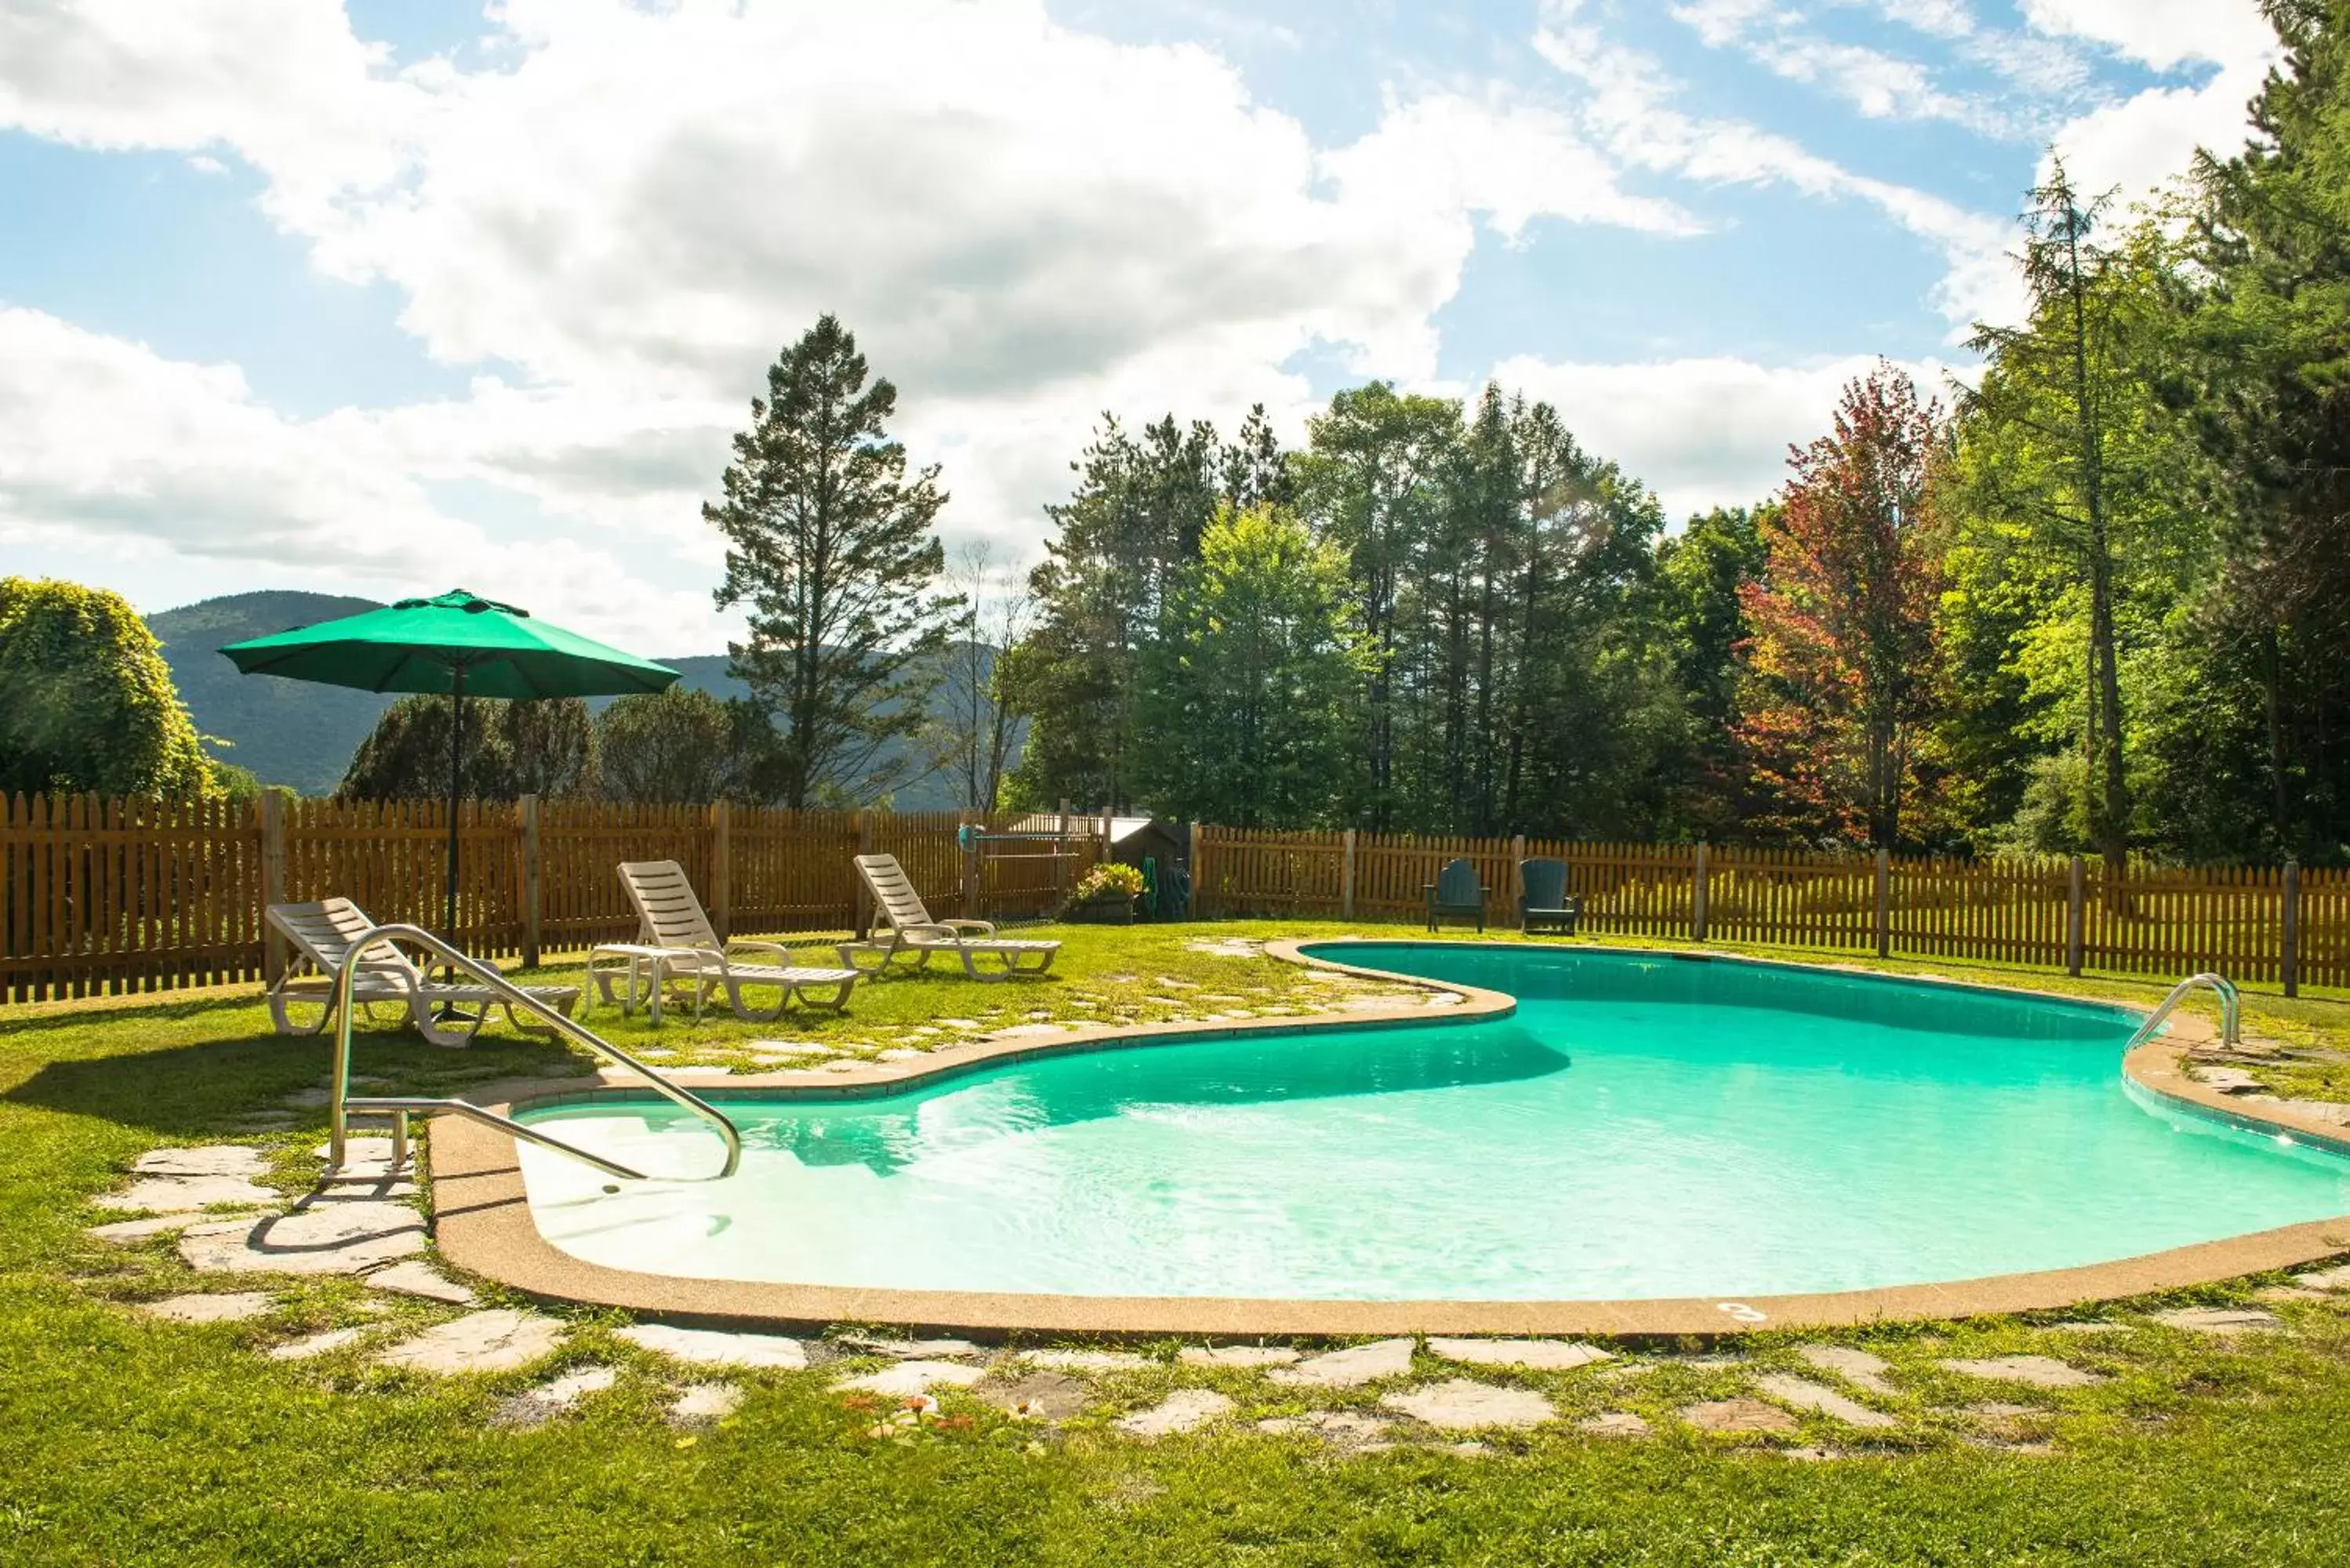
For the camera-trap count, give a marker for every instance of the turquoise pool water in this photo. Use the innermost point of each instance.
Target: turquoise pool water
(1643, 1127)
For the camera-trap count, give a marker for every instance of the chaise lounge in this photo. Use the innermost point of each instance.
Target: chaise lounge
(323, 934)
(676, 941)
(914, 934)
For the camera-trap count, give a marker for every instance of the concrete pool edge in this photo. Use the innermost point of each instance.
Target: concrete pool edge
(483, 1223)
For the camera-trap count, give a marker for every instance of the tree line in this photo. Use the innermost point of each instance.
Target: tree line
(2094, 601)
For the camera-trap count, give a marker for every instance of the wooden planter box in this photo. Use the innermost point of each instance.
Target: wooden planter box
(1117, 909)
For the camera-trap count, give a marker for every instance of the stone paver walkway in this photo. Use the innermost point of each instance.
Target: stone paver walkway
(1236, 1356)
(556, 1396)
(1462, 1404)
(1803, 1393)
(315, 1344)
(233, 1307)
(719, 1348)
(1349, 1368)
(498, 1339)
(1613, 1424)
(2039, 1371)
(2226, 1322)
(317, 1238)
(1185, 1411)
(1086, 1360)
(704, 1404)
(1737, 1415)
(1540, 1355)
(1857, 1368)
(915, 1377)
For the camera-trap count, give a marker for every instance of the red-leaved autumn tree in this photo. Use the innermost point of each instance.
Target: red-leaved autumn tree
(1839, 667)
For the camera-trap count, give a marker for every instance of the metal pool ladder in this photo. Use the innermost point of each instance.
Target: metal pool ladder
(2231, 1011)
(399, 1107)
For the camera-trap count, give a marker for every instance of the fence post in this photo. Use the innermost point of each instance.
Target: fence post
(1518, 878)
(861, 915)
(526, 817)
(1346, 879)
(2077, 919)
(2291, 960)
(967, 863)
(1883, 903)
(1061, 861)
(722, 870)
(1699, 883)
(1198, 869)
(273, 882)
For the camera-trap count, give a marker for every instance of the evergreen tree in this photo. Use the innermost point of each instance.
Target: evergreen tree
(86, 703)
(2272, 414)
(1123, 539)
(831, 550)
(546, 748)
(683, 747)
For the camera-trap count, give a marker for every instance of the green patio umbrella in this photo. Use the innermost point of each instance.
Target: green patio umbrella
(460, 645)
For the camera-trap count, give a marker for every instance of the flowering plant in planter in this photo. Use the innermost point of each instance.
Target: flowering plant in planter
(1109, 881)
(1105, 895)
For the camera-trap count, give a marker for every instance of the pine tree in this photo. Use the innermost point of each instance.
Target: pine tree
(830, 547)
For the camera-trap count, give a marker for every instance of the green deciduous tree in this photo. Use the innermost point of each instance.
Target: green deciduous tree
(1249, 696)
(86, 702)
(830, 549)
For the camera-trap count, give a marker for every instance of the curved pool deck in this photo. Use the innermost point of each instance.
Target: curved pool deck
(484, 1221)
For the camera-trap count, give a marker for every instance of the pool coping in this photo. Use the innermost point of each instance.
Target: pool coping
(482, 1220)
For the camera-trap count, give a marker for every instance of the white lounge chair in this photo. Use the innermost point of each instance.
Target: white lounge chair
(675, 939)
(322, 934)
(913, 934)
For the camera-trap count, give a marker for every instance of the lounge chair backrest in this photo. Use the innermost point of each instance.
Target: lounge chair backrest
(1544, 882)
(668, 913)
(324, 932)
(893, 891)
(1457, 883)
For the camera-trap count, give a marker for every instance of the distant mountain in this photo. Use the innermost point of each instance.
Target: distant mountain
(291, 733)
(300, 734)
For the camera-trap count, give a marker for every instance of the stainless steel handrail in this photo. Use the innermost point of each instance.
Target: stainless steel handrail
(340, 1104)
(2231, 1011)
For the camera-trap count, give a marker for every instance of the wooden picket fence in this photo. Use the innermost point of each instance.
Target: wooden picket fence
(2284, 926)
(100, 895)
(115, 895)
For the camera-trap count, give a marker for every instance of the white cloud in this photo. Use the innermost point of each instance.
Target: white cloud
(2144, 142)
(175, 474)
(1701, 432)
(634, 207)
(2163, 34)
(1629, 108)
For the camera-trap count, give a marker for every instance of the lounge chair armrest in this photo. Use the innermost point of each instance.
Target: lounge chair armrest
(936, 927)
(775, 949)
(984, 928)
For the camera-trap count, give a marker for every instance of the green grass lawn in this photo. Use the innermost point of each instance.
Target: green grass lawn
(124, 1440)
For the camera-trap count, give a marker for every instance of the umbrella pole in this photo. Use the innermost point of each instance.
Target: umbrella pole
(456, 788)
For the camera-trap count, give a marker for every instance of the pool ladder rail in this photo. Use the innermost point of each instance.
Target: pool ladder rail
(400, 1106)
(2231, 1011)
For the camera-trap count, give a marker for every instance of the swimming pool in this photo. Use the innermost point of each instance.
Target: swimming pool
(1645, 1125)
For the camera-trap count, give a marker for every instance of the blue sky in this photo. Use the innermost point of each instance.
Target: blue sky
(361, 298)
